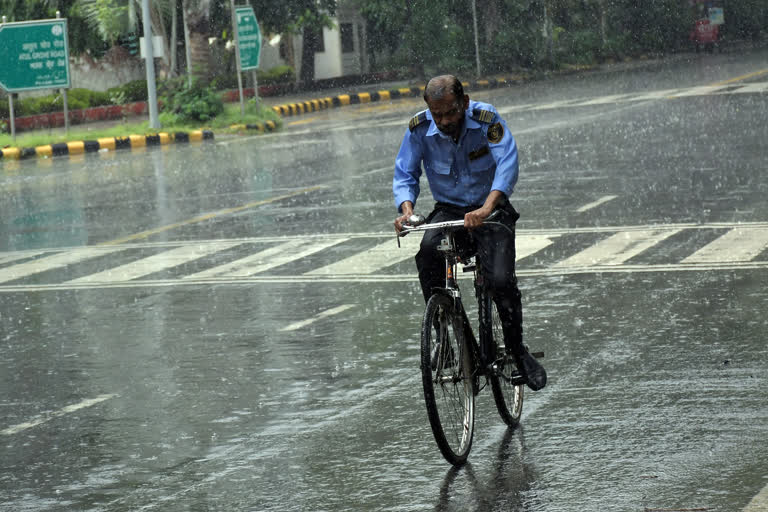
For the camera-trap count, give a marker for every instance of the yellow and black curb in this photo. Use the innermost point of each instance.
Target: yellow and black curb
(105, 143)
(292, 109)
(265, 127)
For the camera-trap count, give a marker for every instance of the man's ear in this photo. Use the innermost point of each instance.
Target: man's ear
(466, 101)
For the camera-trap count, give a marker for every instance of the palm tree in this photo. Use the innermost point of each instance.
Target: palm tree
(197, 16)
(113, 18)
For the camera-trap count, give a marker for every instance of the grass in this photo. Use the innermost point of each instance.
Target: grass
(221, 124)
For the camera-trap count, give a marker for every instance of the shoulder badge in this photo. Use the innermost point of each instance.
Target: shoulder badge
(417, 120)
(484, 116)
(495, 133)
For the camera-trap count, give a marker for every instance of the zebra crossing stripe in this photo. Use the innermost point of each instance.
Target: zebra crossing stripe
(526, 245)
(267, 259)
(617, 248)
(738, 244)
(52, 262)
(20, 255)
(373, 259)
(739, 248)
(155, 263)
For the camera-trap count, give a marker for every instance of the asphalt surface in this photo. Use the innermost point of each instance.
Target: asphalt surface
(230, 326)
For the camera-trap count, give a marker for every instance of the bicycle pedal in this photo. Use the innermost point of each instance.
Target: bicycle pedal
(518, 380)
(537, 355)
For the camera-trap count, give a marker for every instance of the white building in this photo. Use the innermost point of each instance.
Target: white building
(342, 51)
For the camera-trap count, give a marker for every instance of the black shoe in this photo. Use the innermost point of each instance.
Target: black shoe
(532, 370)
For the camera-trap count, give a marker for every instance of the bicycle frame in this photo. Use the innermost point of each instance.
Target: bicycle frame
(452, 364)
(483, 349)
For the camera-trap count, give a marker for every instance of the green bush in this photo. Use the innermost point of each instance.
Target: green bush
(578, 46)
(190, 104)
(128, 92)
(87, 97)
(276, 75)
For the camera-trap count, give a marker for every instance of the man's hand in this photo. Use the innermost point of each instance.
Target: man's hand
(475, 218)
(407, 209)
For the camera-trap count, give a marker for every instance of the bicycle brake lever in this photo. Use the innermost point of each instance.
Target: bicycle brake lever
(493, 215)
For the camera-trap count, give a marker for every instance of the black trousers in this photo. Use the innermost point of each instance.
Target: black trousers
(494, 247)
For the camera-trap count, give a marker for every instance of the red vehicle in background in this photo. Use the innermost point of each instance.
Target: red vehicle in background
(705, 35)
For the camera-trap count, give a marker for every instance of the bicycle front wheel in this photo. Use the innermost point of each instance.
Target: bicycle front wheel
(506, 393)
(447, 373)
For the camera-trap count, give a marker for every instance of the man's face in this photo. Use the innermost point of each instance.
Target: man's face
(448, 114)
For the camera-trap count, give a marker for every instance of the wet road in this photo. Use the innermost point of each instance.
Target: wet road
(230, 326)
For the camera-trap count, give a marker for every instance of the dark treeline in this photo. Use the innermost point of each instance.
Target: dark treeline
(432, 35)
(421, 36)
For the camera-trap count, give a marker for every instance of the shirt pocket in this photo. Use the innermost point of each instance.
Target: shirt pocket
(442, 168)
(481, 159)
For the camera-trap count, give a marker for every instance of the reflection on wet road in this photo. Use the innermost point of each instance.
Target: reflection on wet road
(231, 326)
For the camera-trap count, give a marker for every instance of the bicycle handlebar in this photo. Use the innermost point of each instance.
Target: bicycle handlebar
(410, 228)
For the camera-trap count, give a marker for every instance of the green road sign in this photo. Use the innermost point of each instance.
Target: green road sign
(248, 37)
(34, 55)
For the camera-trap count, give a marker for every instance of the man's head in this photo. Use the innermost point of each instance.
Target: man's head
(447, 102)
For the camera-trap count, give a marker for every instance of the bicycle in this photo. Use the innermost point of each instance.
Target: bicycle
(453, 362)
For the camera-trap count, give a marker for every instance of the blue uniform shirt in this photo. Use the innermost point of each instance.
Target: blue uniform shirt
(463, 173)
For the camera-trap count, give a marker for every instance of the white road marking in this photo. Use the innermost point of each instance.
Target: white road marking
(19, 255)
(595, 204)
(525, 245)
(618, 248)
(389, 168)
(555, 104)
(267, 259)
(738, 244)
(515, 108)
(156, 263)
(654, 95)
(698, 91)
(59, 260)
(15, 429)
(373, 259)
(329, 312)
(753, 88)
(759, 503)
(610, 257)
(613, 98)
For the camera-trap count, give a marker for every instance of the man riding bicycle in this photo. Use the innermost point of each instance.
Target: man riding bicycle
(471, 163)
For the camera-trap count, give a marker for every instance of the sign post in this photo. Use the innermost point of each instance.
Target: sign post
(247, 46)
(35, 56)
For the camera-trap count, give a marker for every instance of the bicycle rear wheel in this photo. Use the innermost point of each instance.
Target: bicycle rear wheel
(446, 370)
(506, 393)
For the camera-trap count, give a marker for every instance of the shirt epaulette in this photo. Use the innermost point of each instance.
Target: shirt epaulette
(484, 116)
(417, 120)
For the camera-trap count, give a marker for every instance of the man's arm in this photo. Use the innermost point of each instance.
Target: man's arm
(504, 151)
(405, 185)
(475, 218)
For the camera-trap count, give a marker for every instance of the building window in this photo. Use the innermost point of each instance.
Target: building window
(347, 38)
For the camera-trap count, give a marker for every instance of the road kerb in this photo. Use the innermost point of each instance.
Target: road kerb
(110, 144)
